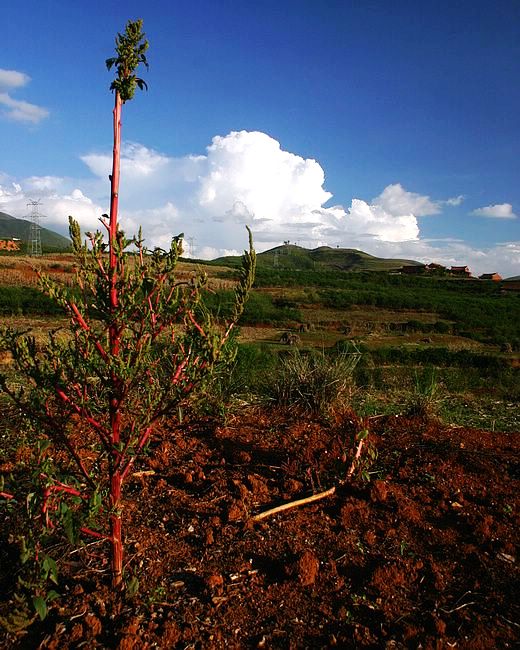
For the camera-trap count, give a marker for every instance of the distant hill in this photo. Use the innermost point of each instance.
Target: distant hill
(289, 256)
(10, 227)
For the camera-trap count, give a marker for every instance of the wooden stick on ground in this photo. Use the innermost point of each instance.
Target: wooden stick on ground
(294, 504)
(313, 497)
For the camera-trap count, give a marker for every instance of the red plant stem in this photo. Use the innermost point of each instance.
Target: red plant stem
(178, 372)
(6, 495)
(114, 334)
(84, 326)
(356, 458)
(115, 528)
(61, 487)
(196, 325)
(114, 200)
(142, 442)
(82, 412)
(47, 493)
(93, 533)
(152, 312)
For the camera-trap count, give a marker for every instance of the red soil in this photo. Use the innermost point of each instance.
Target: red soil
(423, 555)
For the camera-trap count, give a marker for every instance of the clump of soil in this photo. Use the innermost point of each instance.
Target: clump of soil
(423, 555)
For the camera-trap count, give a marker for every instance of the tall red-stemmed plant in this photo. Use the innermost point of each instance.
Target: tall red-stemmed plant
(130, 48)
(140, 340)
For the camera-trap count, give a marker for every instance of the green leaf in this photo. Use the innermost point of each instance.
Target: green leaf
(52, 595)
(68, 525)
(40, 606)
(25, 552)
(132, 587)
(43, 445)
(50, 569)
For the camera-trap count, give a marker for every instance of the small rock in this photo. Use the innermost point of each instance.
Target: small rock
(379, 492)
(215, 582)
(235, 511)
(308, 567)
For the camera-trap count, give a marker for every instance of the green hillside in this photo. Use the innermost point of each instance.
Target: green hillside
(289, 256)
(10, 227)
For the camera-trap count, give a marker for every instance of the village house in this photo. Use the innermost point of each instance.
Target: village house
(433, 266)
(460, 271)
(496, 277)
(413, 269)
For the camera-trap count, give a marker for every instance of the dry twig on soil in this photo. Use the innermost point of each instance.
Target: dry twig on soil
(313, 497)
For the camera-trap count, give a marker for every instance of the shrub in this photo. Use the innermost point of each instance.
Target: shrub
(140, 341)
(313, 382)
(426, 395)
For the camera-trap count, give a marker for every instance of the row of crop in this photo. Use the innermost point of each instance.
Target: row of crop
(265, 371)
(18, 301)
(261, 308)
(439, 357)
(253, 359)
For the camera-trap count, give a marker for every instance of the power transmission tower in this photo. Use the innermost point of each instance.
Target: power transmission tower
(190, 245)
(35, 238)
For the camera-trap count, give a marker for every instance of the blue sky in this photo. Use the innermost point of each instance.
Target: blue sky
(393, 127)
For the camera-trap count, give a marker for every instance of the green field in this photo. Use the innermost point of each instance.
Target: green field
(460, 336)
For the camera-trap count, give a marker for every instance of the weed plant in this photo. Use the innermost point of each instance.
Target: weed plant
(426, 394)
(313, 382)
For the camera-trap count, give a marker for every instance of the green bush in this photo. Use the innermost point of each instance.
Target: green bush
(426, 394)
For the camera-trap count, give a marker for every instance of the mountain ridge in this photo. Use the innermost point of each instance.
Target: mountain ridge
(14, 228)
(291, 256)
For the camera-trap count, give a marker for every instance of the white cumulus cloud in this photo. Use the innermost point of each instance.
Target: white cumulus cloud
(16, 109)
(496, 211)
(395, 200)
(246, 178)
(59, 199)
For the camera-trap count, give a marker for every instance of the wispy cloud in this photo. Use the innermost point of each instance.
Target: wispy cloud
(16, 109)
(455, 200)
(496, 211)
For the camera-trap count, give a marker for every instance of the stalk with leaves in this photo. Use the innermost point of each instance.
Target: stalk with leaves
(139, 342)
